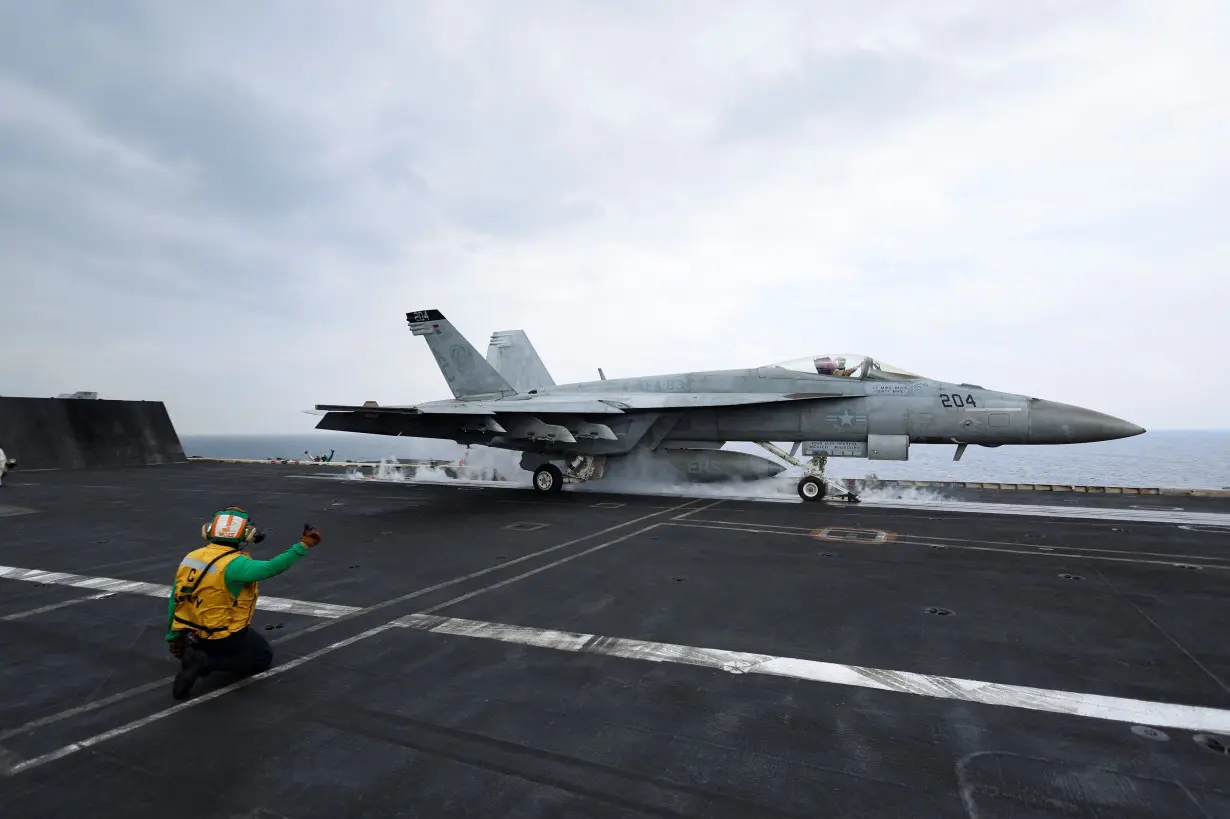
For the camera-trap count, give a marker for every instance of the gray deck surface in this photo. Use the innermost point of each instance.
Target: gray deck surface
(406, 721)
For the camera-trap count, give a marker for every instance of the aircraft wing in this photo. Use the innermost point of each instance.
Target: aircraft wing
(595, 404)
(453, 408)
(483, 408)
(537, 417)
(700, 400)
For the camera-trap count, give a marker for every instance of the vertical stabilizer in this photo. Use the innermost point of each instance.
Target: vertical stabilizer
(468, 375)
(514, 357)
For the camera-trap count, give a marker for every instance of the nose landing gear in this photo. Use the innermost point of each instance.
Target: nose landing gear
(813, 486)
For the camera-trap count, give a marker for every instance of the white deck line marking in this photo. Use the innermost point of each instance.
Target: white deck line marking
(141, 689)
(757, 524)
(82, 709)
(166, 712)
(736, 527)
(772, 528)
(54, 606)
(532, 572)
(1119, 709)
(690, 512)
(114, 585)
(1055, 551)
(1033, 510)
(1062, 552)
(496, 567)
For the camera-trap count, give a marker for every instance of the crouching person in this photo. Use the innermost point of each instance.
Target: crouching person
(214, 597)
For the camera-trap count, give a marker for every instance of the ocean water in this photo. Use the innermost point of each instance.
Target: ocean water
(1191, 459)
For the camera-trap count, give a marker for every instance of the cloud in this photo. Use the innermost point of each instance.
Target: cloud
(1024, 197)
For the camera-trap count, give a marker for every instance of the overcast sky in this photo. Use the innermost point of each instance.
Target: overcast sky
(230, 206)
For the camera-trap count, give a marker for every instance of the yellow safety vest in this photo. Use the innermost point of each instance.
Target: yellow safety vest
(203, 604)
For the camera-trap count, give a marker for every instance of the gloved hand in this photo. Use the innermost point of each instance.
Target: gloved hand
(311, 536)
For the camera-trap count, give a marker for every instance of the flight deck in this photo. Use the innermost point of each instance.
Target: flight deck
(465, 649)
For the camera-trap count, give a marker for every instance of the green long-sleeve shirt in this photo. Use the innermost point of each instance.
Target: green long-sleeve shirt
(242, 571)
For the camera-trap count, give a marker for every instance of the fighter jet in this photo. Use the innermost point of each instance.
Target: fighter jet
(674, 426)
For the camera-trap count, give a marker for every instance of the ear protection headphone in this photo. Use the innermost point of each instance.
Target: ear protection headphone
(231, 527)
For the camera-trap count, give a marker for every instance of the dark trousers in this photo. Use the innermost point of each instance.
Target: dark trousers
(244, 653)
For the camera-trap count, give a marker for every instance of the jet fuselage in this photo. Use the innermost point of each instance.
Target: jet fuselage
(830, 405)
(927, 411)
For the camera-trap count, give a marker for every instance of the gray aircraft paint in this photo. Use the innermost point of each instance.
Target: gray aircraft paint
(510, 401)
(467, 373)
(512, 355)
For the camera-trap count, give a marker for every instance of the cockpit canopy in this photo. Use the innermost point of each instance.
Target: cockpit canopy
(848, 365)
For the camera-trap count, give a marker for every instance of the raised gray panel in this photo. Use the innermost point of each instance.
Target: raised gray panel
(835, 449)
(888, 447)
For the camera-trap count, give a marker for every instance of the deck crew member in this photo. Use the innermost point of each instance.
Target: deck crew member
(214, 597)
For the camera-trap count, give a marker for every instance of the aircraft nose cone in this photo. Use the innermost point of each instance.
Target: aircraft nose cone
(1051, 422)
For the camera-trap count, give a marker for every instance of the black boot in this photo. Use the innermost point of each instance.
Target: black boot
(192, 665)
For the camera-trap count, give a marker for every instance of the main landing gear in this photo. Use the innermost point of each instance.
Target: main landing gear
(813, 486)
(550, 478)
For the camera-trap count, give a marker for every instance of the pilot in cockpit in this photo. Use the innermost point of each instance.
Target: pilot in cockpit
(828, 366)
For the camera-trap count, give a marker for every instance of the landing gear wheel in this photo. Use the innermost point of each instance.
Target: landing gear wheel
(548, 478)
(811, 488)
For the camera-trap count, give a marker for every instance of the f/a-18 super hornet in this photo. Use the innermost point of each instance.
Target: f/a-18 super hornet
(674, 426)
